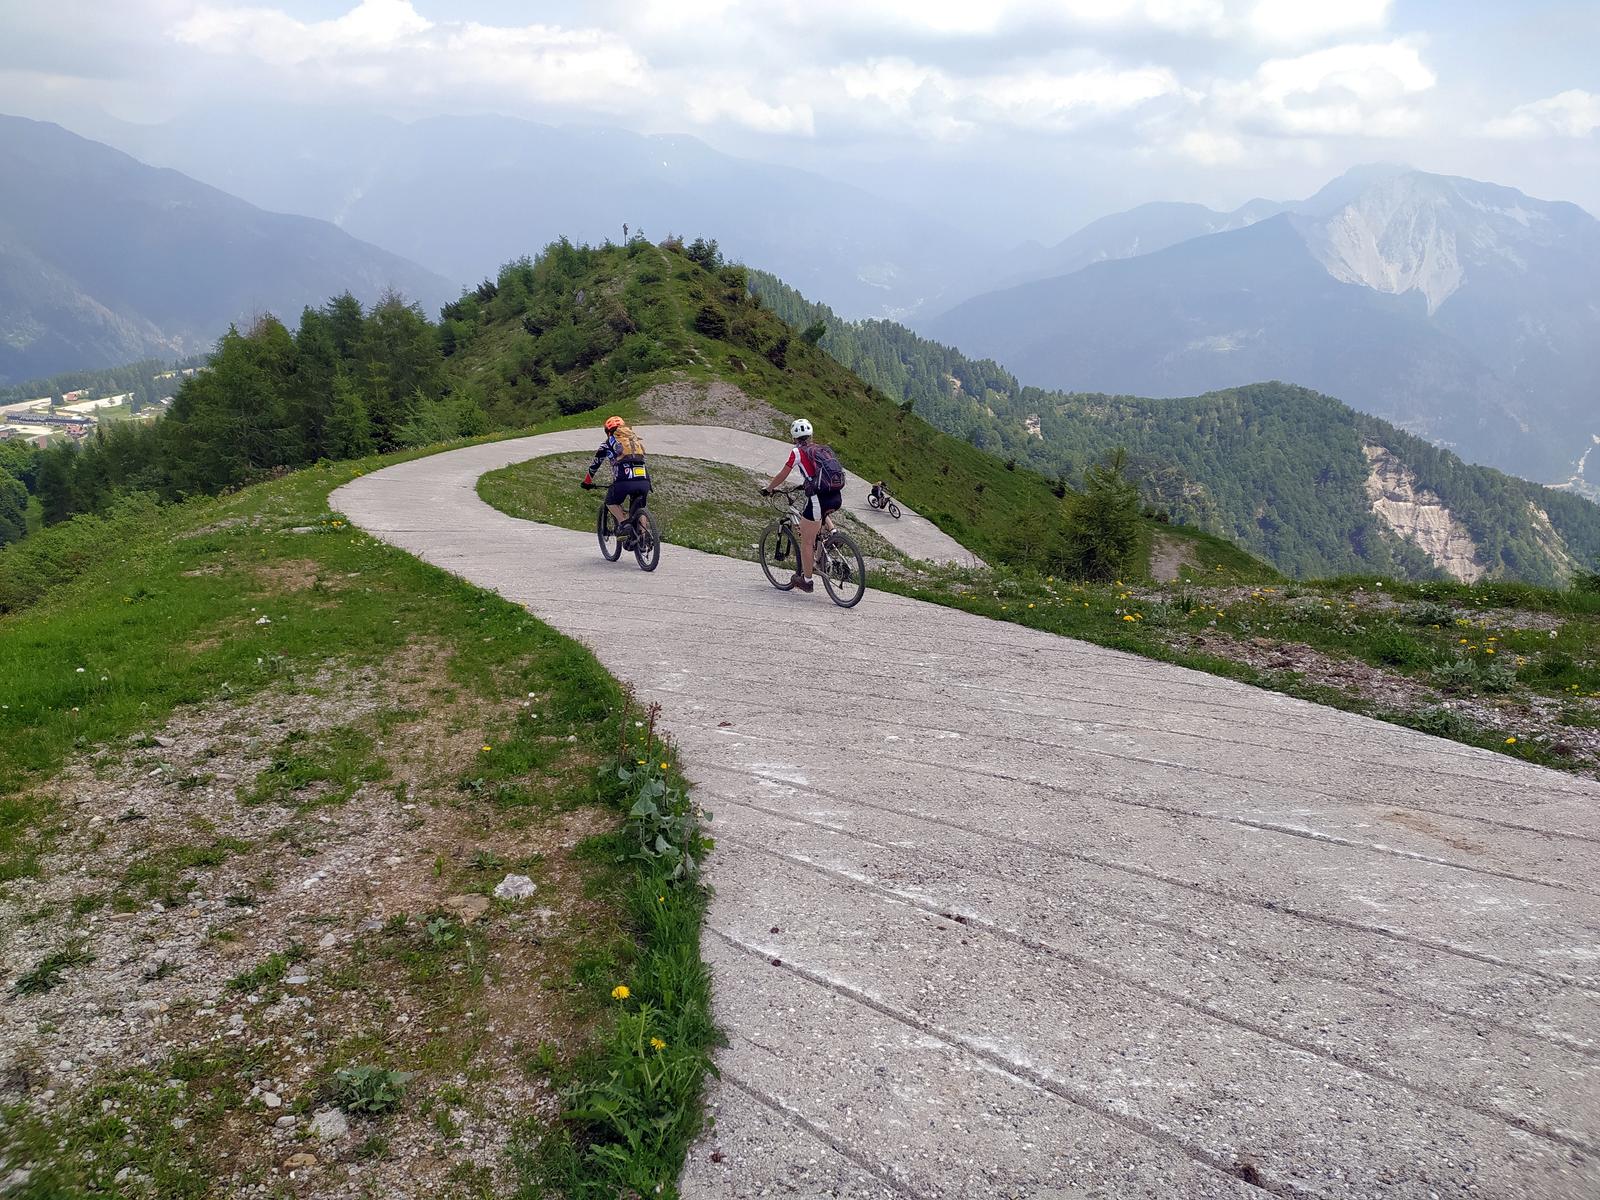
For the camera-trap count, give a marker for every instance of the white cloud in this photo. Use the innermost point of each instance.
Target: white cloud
(724, 100)
(1570, 114)
(1297, 22)
(384, 45)
(1358, 89)
(898, 91)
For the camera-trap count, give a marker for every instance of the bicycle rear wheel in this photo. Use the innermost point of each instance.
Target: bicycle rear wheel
(646, 541)
(780, 555)
(605, 528)
(872, 501)
(843, 571)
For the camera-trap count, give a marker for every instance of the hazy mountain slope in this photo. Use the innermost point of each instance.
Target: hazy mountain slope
(466, 194)
(1466, 313)
(104, 259)
(1291, 475)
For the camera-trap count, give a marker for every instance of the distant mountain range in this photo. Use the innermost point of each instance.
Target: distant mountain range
(104, 260)
(465, 194)
(1464, 312)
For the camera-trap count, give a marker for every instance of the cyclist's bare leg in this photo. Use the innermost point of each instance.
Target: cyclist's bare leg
(617, 511)
(808, 545)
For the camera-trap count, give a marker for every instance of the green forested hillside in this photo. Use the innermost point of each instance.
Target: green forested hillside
(577, 329)
(1277, 468)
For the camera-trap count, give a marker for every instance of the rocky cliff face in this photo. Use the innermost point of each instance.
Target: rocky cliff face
(1419, 516)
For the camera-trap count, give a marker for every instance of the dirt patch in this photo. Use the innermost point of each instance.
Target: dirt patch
(690, 402)
(289, 575)
(1168, 557)
(213, 909)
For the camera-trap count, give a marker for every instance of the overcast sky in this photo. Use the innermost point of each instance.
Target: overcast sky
(1027, 116)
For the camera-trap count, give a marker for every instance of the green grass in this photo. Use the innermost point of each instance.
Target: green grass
(161, 608)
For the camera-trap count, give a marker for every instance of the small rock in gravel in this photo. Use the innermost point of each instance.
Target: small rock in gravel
(327, 941)
(329, 1124)
(285, 1122)
(272, 1100)
(469, 908)
(515, 887)
(295, 1161)
(297, 980)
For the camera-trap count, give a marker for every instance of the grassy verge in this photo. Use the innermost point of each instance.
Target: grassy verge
(212, 707)
(1507, 667)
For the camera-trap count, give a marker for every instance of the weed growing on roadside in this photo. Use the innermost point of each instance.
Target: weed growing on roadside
(47, 972)
(369, 1089)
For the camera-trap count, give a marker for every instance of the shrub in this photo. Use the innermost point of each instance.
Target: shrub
(1497, 677)
(1395, 648)
(368, 1089)
(711, 322)
(1441, 722)
(1456, 674)
(1429, 612)
(1103, 522)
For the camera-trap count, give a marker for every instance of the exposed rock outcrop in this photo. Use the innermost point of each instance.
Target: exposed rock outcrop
(1419, 516)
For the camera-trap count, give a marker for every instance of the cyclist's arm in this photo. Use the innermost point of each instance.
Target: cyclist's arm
(777, 479)
(594, 463)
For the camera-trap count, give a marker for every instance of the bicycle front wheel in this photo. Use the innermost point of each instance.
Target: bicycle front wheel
(894, 510)
(843, 571)
(647, 541)
(780, 555)
(605, 528)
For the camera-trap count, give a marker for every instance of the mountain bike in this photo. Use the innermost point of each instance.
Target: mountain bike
(886, 503)
(838, 559)
(640, 524)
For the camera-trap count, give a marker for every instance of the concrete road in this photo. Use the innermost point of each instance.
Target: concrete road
(1002, 914)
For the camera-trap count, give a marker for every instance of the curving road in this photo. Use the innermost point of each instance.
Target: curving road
(1002, 914)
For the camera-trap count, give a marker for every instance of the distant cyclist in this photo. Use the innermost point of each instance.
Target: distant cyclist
(879, 493)
(629, 479)
(824, 483)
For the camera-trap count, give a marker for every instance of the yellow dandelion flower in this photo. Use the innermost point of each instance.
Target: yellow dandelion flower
(1127, 617)
(620, 992)
(657, 1045)
(1511, 741)
(664, 766)
(1030, 606)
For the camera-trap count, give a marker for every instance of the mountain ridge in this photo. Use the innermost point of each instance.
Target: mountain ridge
(1467, 313)
(105, 259)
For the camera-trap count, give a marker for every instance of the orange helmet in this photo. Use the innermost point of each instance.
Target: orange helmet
(613, 424)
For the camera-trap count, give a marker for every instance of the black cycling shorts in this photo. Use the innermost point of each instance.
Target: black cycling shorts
(831, 501)
(623, 489)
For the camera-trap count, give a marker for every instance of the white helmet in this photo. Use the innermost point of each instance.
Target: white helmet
(801, 428)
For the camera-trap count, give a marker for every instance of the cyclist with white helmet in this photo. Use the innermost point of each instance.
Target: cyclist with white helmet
(814, 461)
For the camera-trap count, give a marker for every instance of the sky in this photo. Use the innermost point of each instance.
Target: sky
(1023, 118)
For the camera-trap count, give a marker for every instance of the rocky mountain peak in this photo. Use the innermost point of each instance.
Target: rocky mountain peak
(1402, 230)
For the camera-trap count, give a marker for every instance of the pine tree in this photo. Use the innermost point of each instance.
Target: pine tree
(348, 433)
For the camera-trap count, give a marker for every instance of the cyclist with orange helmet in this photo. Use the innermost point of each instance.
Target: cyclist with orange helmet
(629, 480)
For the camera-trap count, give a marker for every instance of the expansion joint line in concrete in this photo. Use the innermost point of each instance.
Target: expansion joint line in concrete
(1135, 916)
(1207, 773)
(1019, 1071)
(1203, 889)
(846, 1151)
(981, 924)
